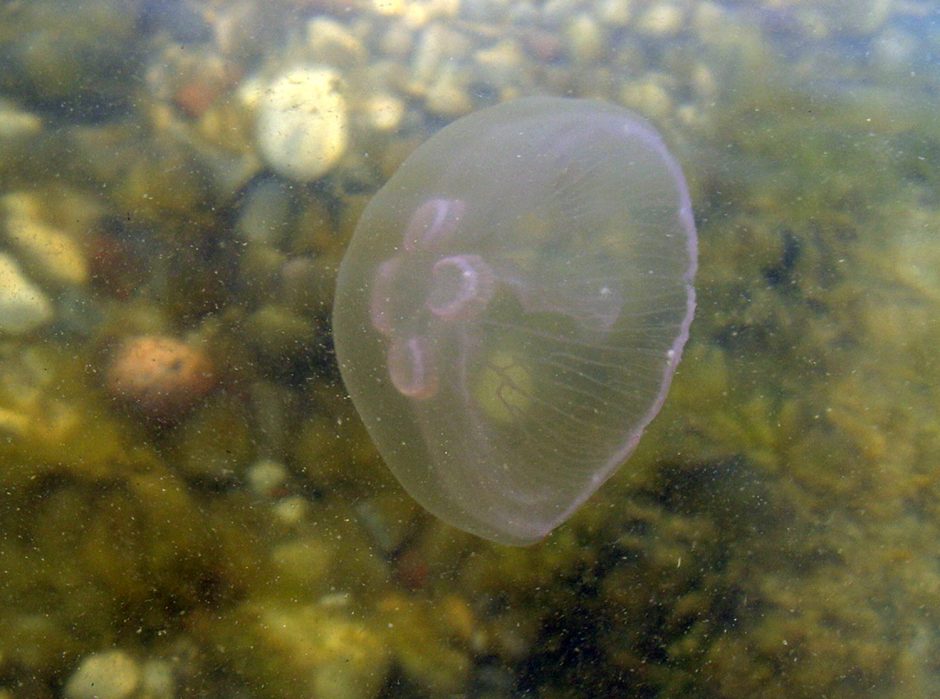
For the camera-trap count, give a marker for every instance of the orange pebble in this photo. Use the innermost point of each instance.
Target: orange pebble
(161, 377)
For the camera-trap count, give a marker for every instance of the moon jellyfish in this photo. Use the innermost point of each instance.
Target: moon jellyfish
(512, 307)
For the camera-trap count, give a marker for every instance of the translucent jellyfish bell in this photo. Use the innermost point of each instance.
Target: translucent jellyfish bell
(512, 307)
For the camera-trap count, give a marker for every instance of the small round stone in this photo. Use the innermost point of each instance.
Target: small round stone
(266, 476)
(49, 253)
(333, 43)
(448, 96)
(648, 96)
(110, 675)
(385, 112)
(586, 40)
(23, 306)
(291, 511)
(265, 215)
(615, 13)
(157, 680)
(302, 127)
(15, 122)
(161, 377)
(661, 21)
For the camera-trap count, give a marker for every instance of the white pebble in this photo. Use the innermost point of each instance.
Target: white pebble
(50, 253)
(17, 123)
(266, 476)
(23, 306)
(384, 112)
(302, 128)
(110, 675)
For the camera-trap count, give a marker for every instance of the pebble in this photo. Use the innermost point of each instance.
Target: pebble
(109, 675)
(51, 254)
(692, 117)
(157, 681)
(445, 8)
(648, 97)
(448, 95)
(615, 13)
(502, 65)
(266, 476)
(278, 334)
(389, 8)
(661, 21)
(302, 565)
(544, 45)
(299, 277)
(557, 13)
(23, 306)
(332, 43)
(16, 122)
(302, 127)
(857, 17)
(711, 23)
(586, 41)
(397, 42)
(266, 214)
(291, 511)
(438, 49)
(159, 376)
(384, 112)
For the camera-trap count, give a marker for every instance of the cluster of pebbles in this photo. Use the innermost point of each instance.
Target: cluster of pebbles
(350, 77)
(333, 90)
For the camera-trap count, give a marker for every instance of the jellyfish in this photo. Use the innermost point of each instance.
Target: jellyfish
(512, 308)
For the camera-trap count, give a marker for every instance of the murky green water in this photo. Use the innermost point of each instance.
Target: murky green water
(189, 506)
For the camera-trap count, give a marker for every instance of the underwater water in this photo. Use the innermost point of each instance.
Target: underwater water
(190, 504)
